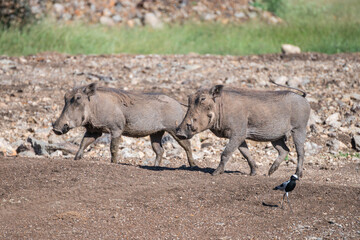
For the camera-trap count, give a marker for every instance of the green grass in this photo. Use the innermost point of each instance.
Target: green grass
(328, 26)
(342, 154)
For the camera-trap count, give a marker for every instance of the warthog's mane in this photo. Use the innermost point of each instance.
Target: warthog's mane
(124, 96)
(128, 98)
(259, 94)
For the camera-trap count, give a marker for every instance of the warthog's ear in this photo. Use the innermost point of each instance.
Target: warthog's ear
(216, 91)
(90, 89)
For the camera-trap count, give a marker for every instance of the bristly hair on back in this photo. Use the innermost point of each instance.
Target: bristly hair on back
(123, 95)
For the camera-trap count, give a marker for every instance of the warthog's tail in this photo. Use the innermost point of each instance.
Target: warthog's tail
(297, 89)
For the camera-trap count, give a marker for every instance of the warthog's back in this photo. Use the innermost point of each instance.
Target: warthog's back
(146, 113)
(269, 114)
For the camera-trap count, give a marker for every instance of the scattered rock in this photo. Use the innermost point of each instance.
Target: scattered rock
(152, 20)
(38, 146)
(282, 80)
(297, 81)
(356, 142)
(312, 148)
(44, 148)
(333, 120)
(240, 15)
(57, 153)
(58, 8)
(209, 17)
(290, 49)
(335, 146)
(6, 148)
(6, 64)
(107, 21)
(355, 96)
(28, 154)
(314, 118)
(22, 146)
(117, 18)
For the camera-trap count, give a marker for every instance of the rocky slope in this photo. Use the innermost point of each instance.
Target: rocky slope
(32, 90)
(133, 13)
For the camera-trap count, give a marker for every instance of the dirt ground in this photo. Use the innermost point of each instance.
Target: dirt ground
(93, 199)
(51, 196)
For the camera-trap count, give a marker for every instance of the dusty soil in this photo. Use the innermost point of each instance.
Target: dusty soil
(93, 199)
(51, 196)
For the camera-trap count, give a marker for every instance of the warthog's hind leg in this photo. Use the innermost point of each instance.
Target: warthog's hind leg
(157, 146)
(283, 150)
(114, 148)
(299, 136)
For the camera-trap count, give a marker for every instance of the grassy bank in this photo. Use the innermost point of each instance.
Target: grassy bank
(328, 26)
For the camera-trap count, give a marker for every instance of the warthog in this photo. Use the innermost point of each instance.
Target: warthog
(249, 114)
(108, 110)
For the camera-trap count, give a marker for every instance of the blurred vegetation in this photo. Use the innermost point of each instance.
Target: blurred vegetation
(16, 13)
(275, 6)
(327, 26)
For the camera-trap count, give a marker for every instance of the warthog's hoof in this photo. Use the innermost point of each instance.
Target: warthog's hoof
(218, 172)
(192, 165)
(273, 168)
(253, 173)
(299, 173)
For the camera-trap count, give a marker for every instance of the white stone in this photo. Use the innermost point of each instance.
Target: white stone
(297, 81)
(153, 21)
(313, 119)
(58, 8)
(356, 140)
(107, 21)
(333, 120)
(281, 80)
(6, 148)
(290, 49)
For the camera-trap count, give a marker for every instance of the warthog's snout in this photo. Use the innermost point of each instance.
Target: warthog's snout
(181, 134)
(61, 131)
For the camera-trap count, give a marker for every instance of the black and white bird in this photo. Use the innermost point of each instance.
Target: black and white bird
(287, 187)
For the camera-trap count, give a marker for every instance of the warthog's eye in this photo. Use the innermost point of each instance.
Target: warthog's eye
(76, 98)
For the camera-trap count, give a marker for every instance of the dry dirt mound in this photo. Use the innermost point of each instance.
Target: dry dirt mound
(87, 199)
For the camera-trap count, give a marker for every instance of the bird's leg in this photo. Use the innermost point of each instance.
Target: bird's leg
(289, 202)
(282, 202)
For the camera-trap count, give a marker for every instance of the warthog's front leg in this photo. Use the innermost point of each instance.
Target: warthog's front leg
(246, 153)
(186, 145)
(89, 138)
(233, 144)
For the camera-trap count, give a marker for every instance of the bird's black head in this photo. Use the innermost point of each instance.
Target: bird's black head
(294, 177)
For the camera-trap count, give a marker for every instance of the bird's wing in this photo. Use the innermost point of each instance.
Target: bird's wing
(282, 186)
